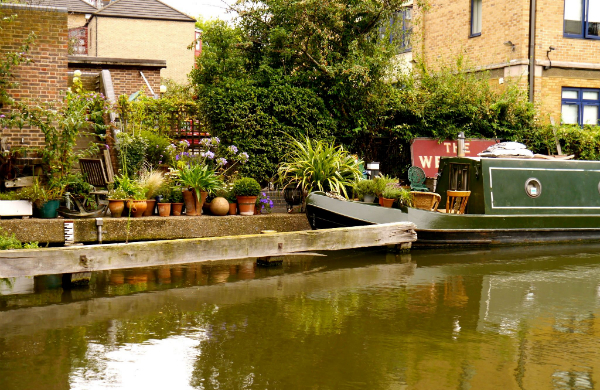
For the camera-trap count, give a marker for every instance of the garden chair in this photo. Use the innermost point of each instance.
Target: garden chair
(416, 177)
(425, 200)
(456, 201)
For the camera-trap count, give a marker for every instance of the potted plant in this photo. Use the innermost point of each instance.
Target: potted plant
(151, 182)
(136, 196)
(365, 189)
(176, 201)
(318, 166)
(246, 190)
(45, 200)
(390, 194)
(116, 201)
(264, 204)
(380, 183)
(199, 180)
(164, 204)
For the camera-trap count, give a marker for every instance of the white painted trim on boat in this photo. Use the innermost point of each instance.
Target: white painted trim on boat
(539, 207)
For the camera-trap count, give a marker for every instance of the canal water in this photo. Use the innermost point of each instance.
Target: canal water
(508, 318)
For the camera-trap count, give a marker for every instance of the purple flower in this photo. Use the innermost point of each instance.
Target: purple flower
(2, 116)
(107, 147)
(177, 157)
(244, 156)
(221, 161)
(233, 149)
(215, 140)
(208, 154)
(205, 141)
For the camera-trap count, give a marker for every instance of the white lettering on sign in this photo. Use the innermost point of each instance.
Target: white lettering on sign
(437, 161)
(467, 151)
(447, 145)
(426, 161)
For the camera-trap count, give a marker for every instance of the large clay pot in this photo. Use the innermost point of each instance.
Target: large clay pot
(176, 208)
(116, 207)
(189, 198)
(150, 203)
(137, 207)
(164, 209)
(232, 208)
(246, 204)
(192, 205)
(387, 202)
(219, 206)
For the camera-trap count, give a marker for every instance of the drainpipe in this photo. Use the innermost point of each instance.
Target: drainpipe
(531, 49)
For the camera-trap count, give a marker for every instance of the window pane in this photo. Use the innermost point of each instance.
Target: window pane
(569, 114)
(590, 115)
(476, 6)
(570, 94)
(589, 95)
(573, 16)
(593, 17)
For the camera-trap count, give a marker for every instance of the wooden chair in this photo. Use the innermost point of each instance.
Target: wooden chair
(96, 174)
(456, 201)
(425, 200)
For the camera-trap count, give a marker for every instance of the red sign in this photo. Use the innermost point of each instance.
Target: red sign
(426, 152)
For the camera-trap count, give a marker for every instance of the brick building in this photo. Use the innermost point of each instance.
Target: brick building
(547, 46)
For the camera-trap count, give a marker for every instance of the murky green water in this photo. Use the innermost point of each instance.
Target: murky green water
(512, 318)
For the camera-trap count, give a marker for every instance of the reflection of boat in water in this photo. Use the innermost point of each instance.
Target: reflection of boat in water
(511, 201)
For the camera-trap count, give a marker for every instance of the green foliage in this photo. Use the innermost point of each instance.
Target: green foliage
(157, 150)
(132, 151)
(246, 186)
(257, 119)
(317, 165)
(381, 183)
(10, 241)
(12, 195)
(583, 143)
(365, 187)
(199, 178)
(38, 194)
(128, 187)
(176, 196)
(10, 60)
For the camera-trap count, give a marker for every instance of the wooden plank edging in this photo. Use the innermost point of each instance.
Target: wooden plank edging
(33, 262)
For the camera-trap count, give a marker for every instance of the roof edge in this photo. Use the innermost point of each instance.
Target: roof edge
(31, 7)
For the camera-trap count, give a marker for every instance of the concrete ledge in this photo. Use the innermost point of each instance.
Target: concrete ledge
(106, 61)
(153, 228)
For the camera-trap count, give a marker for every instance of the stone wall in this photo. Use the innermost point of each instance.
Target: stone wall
(44, 78)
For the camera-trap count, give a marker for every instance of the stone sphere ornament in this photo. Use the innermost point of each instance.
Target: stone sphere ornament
(219, 206)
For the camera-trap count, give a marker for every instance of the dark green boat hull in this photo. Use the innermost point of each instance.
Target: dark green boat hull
(439, 229)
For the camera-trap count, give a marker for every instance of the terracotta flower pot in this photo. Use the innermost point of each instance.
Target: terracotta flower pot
(387, 202)
(246, 204)
(164, 209)
(137, 207)
(232, 208)
(380, 200)
(190, 202)
(176, 208)
(150, 203)
(116, 207)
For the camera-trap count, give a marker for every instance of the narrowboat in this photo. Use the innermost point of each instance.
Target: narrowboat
(511, 201)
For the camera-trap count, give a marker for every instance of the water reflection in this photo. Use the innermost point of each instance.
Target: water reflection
(514, 318)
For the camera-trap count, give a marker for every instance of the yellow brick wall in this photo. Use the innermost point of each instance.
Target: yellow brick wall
(146, 39)
(443, 32)
(550, 33)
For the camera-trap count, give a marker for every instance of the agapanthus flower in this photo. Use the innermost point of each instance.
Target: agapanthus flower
(232, 148)
(215, 140)
(221, 161)
(184, 143)
(205, 142)
(171, 148)
(243, 156)
(177, 157)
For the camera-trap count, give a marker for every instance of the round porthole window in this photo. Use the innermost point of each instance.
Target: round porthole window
(533, 187)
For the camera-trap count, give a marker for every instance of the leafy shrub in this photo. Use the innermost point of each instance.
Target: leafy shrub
(132, 153)
(583, 143)
(246, 186)
(10, 241)
(157, 150)
(317, 165)
(365, 187)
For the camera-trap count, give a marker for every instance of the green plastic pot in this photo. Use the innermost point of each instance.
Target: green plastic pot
(48, 209)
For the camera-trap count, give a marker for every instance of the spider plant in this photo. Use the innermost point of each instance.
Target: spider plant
(317, 165)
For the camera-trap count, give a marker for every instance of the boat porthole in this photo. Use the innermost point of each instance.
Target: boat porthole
(533, 187)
